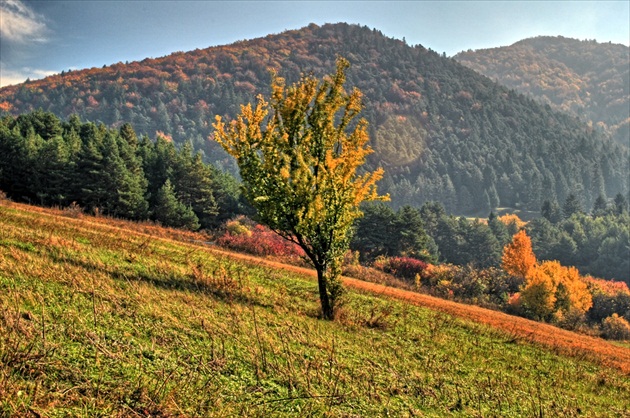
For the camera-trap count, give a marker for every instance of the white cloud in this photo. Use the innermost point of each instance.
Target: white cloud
(19, 23)
(9, 77)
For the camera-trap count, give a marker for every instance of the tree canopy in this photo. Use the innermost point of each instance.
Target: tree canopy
(299, 157)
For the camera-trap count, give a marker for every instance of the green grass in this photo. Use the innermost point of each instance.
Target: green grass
(98, 321)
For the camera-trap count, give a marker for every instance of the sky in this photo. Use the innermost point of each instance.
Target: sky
(39, 38)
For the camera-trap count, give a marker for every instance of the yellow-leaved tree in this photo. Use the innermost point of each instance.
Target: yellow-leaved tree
(539, 294)
(298, 157)
(571, 291)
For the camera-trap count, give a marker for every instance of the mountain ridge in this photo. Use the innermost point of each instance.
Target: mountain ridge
(442, 131)
(583, 78)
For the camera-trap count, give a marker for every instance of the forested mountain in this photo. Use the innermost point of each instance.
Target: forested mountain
(442, 131)
(584, 78)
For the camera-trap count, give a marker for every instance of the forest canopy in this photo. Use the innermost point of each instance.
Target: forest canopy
(441, 131)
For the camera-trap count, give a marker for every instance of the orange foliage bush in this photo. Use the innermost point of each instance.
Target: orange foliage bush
(538, 296)
(512, 221)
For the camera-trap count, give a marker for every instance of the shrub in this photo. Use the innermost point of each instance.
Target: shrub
(259, 240)
(73, 210)
(238, 227)
(616, 328)
(402, 267)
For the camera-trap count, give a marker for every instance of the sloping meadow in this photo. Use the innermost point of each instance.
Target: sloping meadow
(98, 318)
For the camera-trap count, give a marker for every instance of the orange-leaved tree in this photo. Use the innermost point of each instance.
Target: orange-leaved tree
(518, 256)
(539, 294)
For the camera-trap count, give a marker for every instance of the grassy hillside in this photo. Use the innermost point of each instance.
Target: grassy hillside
(106, 318)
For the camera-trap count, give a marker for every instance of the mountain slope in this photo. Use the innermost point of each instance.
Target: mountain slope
(584, 78)
(107, 318)
(442, 131)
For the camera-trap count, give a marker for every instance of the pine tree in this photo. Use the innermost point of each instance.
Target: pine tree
(499, 230)
(600, 207)
(571, 206)
(193, 181)
(621, 205)
(171, 212)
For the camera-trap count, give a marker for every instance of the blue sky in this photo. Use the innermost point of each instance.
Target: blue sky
(38, 38)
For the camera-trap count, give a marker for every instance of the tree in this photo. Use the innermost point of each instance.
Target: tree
(571, 206)
(499, 229)
(621, 205)
(171, 212)
(539, 294)
(375, 232)
(518, 257)
(600, 207)
(412, 239)
(298, 157)
(551, 211)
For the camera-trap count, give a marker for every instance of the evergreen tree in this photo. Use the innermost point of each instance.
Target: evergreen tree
(600, 207)
(375, 232)
(171, 212)
(412, 239)
(621, 205)
(482, 245)
(193, 181)
(571, 206)
(499, 230)
(551, 211)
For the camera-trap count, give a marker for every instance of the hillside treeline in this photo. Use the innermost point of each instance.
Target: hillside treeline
(441, 131)
(586, 79)
(596, 243)
(111, 172)
(46, 161)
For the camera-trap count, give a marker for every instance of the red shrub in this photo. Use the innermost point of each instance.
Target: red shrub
(403, 267)
(260, 241)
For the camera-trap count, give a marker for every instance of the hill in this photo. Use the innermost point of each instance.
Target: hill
(442, 131)
(104, 317)
(587, 79)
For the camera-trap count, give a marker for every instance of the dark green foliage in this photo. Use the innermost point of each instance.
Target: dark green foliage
(230, 200)
(46, 161)
(170, 211)
(600, 207)
(551, 211)
(441, 131)
(383, 232)
(461, 241)
(193, 181)
(595, 245)
(605, 304)
(571, 206)
(499, 230)
(621, 204)
(585, 78)
(489, 286)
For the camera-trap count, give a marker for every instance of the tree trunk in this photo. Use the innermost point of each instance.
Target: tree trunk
(324, 298)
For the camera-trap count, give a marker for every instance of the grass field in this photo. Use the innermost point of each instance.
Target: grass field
(107, 318)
